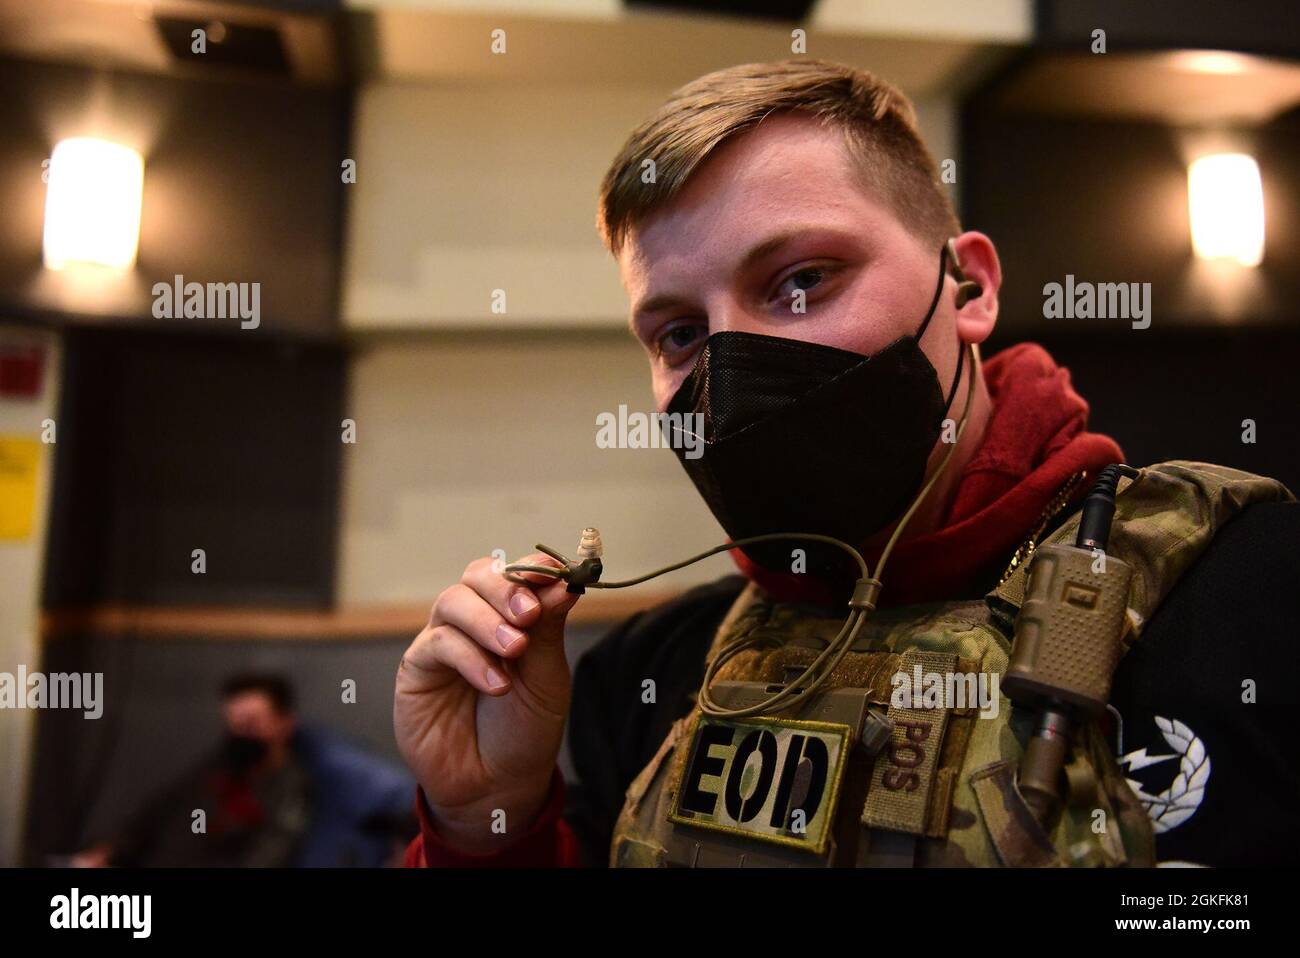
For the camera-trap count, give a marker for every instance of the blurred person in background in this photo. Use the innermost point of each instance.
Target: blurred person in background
(273, 794)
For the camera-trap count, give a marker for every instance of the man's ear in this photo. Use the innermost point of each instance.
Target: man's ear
(978, 259)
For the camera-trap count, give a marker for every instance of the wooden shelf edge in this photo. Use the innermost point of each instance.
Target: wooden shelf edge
(353, 622)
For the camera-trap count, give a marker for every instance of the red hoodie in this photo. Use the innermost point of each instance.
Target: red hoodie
(1035, 441)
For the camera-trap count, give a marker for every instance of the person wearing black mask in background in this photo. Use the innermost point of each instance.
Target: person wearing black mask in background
(253, 788)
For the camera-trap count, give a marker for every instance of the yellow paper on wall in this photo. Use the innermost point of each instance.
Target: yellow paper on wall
(20, 458)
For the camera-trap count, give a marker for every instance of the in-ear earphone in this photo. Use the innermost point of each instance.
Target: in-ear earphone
(967, 289)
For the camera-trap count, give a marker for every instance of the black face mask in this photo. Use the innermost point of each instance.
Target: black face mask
(242, 752)
(800, 437)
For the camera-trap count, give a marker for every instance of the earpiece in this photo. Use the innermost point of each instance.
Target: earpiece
(967, 289)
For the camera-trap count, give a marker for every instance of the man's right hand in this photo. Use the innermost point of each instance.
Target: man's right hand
(482, 694)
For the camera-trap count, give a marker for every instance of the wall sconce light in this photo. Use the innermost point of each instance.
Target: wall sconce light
(1226, 202)
(92, 204)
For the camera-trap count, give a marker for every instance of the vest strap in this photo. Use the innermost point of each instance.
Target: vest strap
(1018, 839)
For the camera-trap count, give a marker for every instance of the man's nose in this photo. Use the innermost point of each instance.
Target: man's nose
(733, 317)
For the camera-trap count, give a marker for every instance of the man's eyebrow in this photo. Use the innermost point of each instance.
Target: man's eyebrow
(663, 301)
(654, 304)
(768, 246)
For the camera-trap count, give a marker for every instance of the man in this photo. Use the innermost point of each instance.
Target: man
(273, 794)
(775, 225)
(253, 792)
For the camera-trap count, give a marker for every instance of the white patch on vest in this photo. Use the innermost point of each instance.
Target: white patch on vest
(1179, 802)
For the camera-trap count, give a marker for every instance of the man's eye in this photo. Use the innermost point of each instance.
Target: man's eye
(676, 340)
(804, 279)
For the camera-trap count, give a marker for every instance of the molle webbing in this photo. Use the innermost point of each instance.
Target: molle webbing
(1164, 520)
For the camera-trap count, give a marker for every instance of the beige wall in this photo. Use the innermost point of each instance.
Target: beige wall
(462, 190)
(21, 571)
(470, 443)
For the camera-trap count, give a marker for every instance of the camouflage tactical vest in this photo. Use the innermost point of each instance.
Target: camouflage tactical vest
(878, 781)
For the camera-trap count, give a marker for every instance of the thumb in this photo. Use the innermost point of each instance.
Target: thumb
(553, 596)
(557, 601)
(544, 668)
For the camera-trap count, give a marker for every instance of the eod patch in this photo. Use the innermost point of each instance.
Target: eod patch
(775, 780)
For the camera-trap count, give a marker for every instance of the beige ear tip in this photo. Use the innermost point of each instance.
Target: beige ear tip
(590, 547)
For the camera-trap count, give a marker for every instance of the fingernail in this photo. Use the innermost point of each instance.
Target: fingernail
(495, 679)
(508, 637)
(521, 603)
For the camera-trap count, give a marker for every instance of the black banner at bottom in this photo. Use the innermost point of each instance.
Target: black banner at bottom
(938, 911)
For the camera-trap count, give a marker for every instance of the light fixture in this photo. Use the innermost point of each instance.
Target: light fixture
(1226, 202)
(92, 204)
(1212, 62)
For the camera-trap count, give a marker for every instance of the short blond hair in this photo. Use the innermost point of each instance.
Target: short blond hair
(878, 123)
